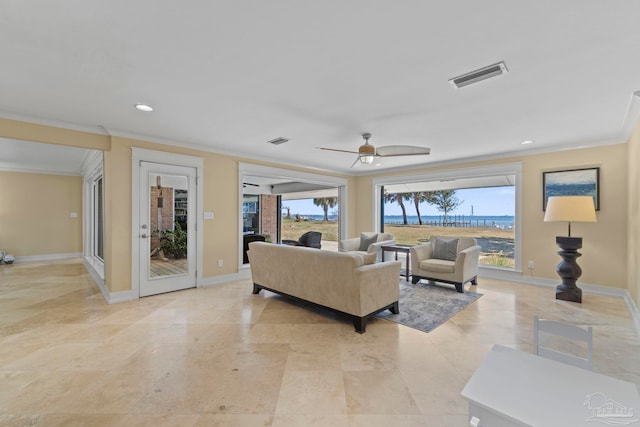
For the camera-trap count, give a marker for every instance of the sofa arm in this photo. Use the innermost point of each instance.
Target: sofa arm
(419, 253)
(377, 285)
(377, 248)
(349, 245)
(467, 263)
(377, 245)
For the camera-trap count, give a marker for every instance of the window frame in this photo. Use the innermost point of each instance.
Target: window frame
(93, 171)
(451, 175)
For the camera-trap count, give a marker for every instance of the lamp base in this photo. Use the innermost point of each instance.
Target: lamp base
(568, 269)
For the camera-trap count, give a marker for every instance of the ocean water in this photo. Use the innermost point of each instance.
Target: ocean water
(494, 221)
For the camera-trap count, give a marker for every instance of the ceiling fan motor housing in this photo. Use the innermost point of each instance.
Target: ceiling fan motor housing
(367, 150)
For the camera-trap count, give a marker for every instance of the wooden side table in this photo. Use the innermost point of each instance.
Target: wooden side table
(396, 249)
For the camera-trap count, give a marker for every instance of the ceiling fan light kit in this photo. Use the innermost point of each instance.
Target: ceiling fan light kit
(367, 152)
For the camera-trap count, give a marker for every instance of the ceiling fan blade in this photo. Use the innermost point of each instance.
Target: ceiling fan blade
(401, 150)
(335, 149)
(356, 162)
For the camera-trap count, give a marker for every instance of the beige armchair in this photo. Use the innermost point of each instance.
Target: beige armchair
(446, 259)
(368, 242)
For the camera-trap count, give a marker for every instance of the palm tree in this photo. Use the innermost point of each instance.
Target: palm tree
(419, 197)
(326, 203)
(288, 216)
(399, 198)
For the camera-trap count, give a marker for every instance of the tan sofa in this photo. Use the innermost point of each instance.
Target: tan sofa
(460, 268)
(339, 281)
(353, 244)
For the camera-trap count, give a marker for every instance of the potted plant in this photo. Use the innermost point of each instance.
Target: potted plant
(174, 242)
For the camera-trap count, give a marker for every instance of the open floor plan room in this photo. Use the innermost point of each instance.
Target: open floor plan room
(220, 355)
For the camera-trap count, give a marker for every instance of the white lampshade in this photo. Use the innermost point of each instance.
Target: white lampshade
(570, 208)
(366, 159)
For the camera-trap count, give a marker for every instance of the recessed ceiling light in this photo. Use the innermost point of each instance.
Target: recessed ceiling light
(528, 141)
(144, 107)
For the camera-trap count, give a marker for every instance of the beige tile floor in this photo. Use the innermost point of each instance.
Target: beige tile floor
(220, 356)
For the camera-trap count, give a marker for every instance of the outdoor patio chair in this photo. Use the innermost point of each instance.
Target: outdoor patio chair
(310, 239)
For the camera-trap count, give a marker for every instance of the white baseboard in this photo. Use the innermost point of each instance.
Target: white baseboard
(48, 257)
(242, 274)
(96, 275)
(114, 297)
(121, 296)
(587, 288)
(130, 295)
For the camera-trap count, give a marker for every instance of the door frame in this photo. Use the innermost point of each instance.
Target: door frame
(144, 155)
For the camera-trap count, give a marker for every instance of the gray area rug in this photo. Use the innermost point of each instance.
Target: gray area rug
(425, 307)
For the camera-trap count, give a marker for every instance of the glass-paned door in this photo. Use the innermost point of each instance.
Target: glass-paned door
(167, 228)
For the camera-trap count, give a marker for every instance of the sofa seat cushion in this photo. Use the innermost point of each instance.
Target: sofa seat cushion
(437, 265)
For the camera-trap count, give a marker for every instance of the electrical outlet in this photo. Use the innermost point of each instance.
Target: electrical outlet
(531, 265)
(220, 263)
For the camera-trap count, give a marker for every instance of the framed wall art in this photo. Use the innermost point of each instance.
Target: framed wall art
(574, 182)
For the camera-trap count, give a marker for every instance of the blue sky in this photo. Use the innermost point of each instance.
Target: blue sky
(485, 202)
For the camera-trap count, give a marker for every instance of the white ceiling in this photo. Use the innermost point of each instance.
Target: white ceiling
(227, 76)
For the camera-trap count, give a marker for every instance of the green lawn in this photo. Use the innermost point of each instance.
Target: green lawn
(497, 244)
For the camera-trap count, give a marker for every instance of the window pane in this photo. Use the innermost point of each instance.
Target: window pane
(484, 213)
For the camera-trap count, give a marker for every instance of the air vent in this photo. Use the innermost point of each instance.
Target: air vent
(479, 75)
(278, 141)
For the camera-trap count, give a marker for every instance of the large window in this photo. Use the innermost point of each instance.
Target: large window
(482, 203)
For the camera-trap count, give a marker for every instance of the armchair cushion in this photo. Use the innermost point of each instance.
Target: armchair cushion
(446, 249)
(438, 265)
(366, 240)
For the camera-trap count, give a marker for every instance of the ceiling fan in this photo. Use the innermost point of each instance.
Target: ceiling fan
(367, 152)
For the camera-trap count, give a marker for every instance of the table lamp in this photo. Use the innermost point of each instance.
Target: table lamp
(570, 209)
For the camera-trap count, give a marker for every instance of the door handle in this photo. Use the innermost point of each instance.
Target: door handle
(143, 235)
